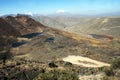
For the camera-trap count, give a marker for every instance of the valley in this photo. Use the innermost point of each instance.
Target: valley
(32, 49)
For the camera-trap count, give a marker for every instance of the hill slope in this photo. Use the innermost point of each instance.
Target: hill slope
(82, 24)
(106, 26)
(55, 44)
(7, 30)
(49, 49)
(23, 24)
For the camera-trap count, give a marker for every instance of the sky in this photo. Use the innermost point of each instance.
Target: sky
(58, 6)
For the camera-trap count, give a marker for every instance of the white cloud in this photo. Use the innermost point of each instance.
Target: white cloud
(61, 11)
(29, 13)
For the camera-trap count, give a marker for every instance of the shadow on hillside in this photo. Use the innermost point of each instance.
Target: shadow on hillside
(5, 55)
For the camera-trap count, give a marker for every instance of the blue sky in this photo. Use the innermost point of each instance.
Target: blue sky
(58, 6)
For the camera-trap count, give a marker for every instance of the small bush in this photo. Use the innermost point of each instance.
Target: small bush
(109, 78)
(109, 71)
(52, 65)
(116, 64)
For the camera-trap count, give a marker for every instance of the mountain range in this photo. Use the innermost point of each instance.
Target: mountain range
(35, 42)
(82, 24)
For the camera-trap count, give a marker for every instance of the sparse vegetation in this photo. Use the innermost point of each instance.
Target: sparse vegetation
(44, 52)
(109, 72)
(113, 71)
(6, 42)
(58, 75)
(109, 78)
(116, 64)
(52, 64)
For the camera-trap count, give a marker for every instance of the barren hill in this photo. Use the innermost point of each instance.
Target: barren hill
(44, 49)
(82, 24)
(7, 29)
(105, 25)
(23, 24)
(55, 44)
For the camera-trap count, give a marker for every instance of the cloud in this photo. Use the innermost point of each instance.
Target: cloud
(29, 13)
(61, 11)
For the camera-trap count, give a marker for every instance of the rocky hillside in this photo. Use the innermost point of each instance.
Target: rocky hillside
(59, 21)
(13, 27)
(48, 21)
(23, 24)
(7, 29)
(8, 34)
(82, 24)
(45, 50)
(105, 25)
(53, 44)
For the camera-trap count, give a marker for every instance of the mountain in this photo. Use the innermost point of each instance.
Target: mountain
(23, 24)
(48, 21)
(60, 21)
(12, 27)
(7, 30)
(83, 24)
(47, 51)
(51, 41)
(104, 25)
(8, 34)
(54, 44)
